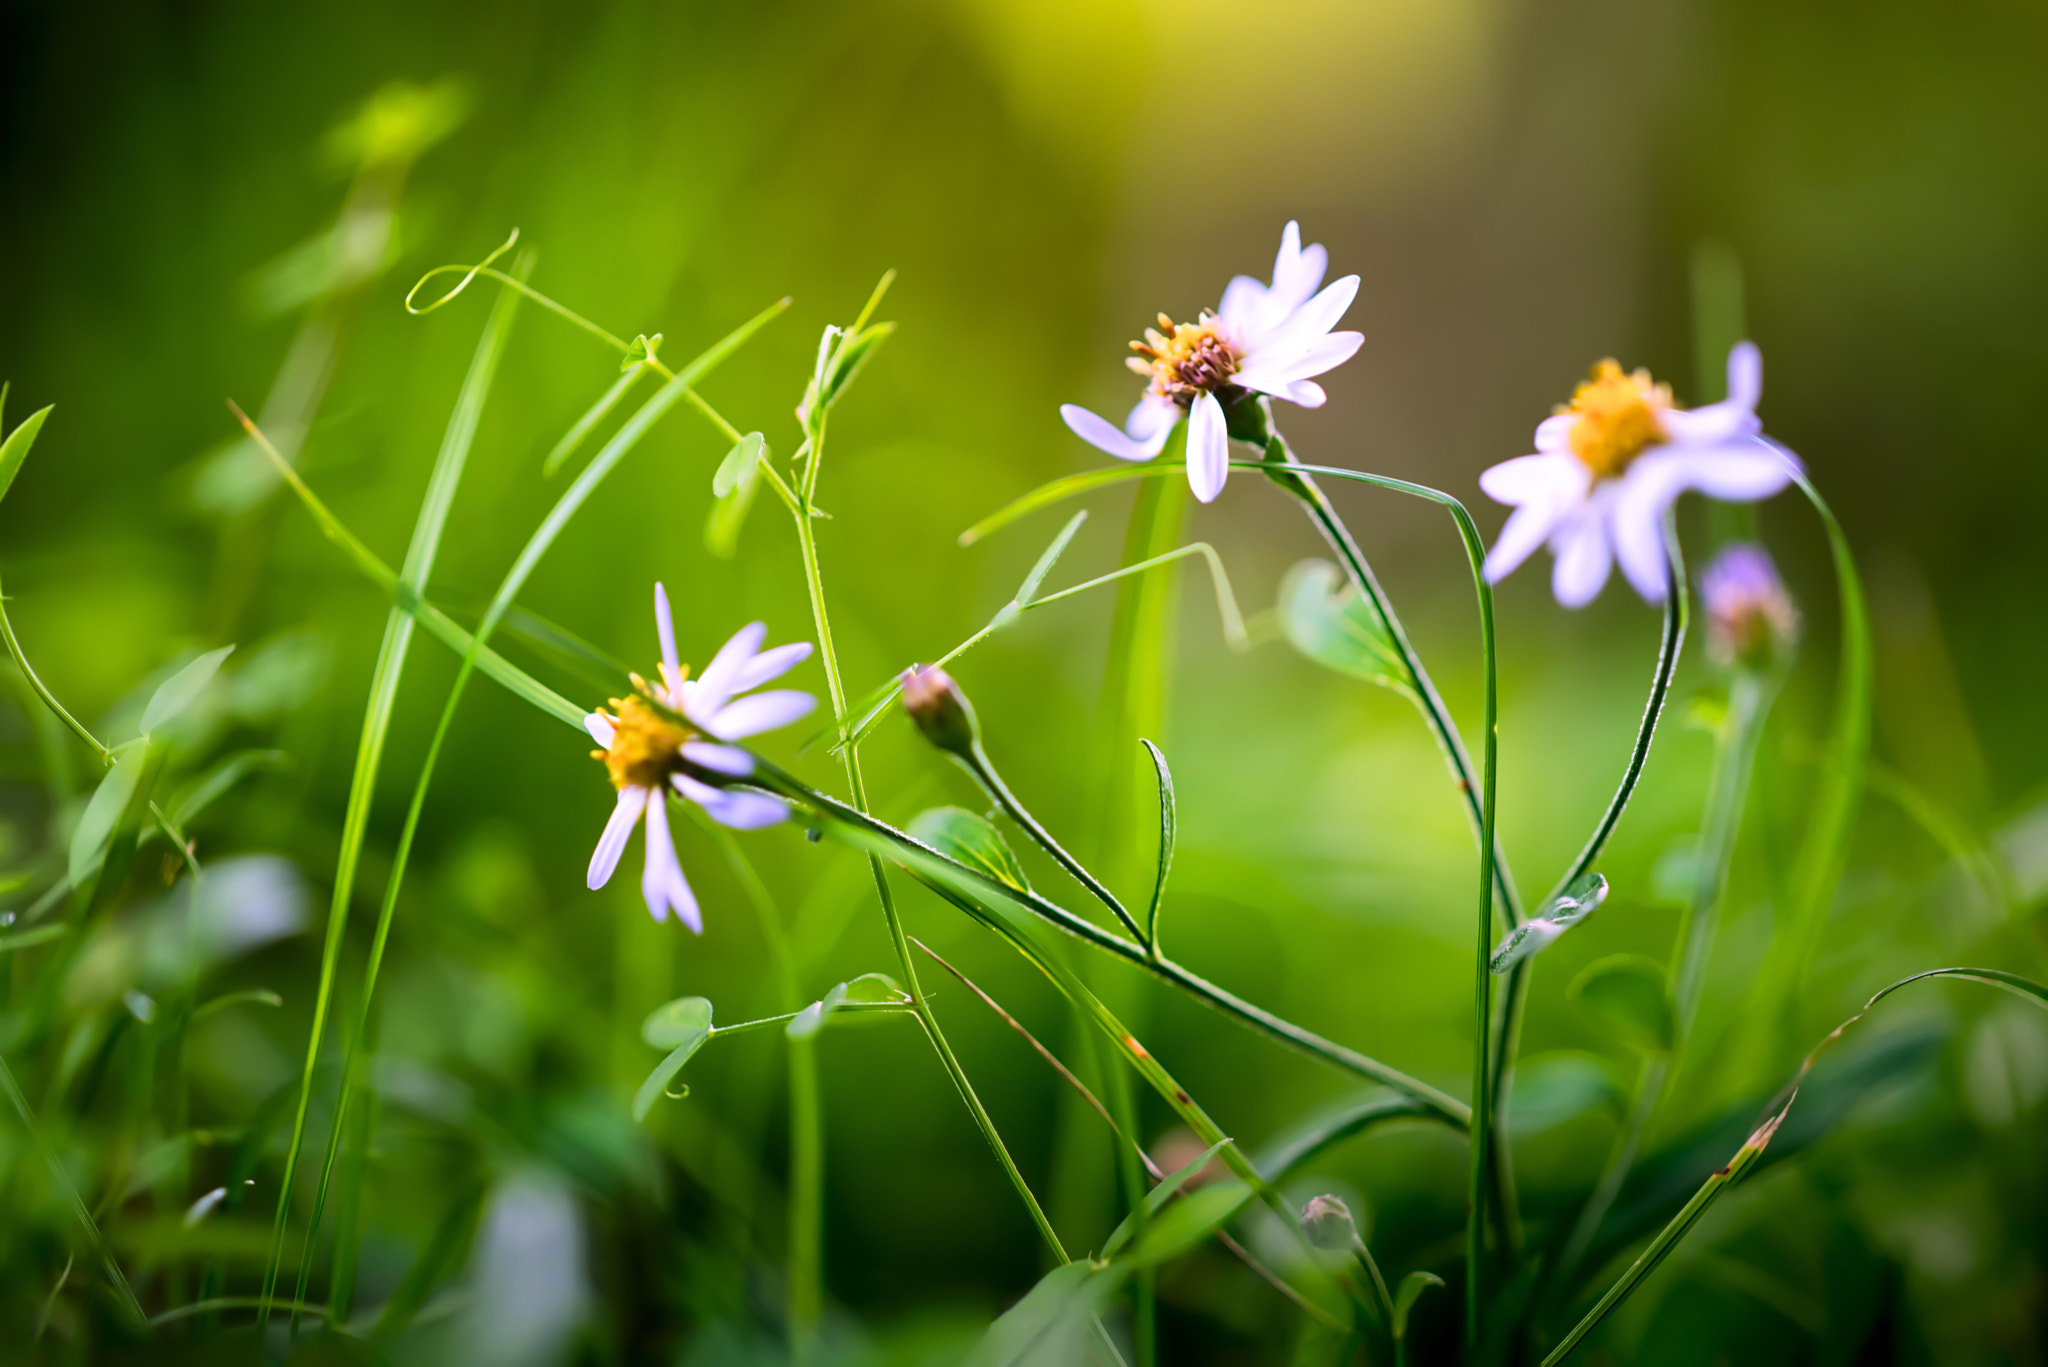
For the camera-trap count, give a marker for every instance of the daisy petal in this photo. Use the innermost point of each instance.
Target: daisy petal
(1151, 418)
(710, 690)
(1745, 374)
(1208, 448)
(1244, 304)
(1554, 433)
(600, 730)
(1321, 313)
(1583, 559)
(1740, 473)
(758, 712)
(662, 884)
(1106, 436)
(1307, 393)
(723, 759)
(1638, 530)
(1540, 478)
(1265, 371)
(665, 627)
(1527, 528)
(737, 808)
(617, 831)
(770, 664)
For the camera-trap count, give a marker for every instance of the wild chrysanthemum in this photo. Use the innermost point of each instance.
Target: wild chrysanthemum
(1267, 339)
(1611, 463)
(645, 746)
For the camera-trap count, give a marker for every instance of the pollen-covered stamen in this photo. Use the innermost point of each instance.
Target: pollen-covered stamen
(1619, 418)
(1187, 359)
(646, 747)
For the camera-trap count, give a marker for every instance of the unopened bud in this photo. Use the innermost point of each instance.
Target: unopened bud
(940, 710)
(1328, 1223)
(1750, 618)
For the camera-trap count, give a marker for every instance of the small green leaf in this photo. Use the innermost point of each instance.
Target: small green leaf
(676, 1022)
(1553, 1088)
(1054, 1324)
(1028, 590)
(969, 839)
(658, 1080)
(1159, 1196)
(1325, 619)
(1186, 1223)
(255, 996)
(14, 450)
(1541, 931)
(742, 464)
(96, 827)
(641, 351)
(734, 485)
(1166, 838)
(183, 688)
(854, 354)
(1412, 1287)
(1625, 996)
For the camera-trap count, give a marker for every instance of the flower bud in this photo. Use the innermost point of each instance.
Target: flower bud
(1328, 1223)
(940, 710)
(1751, 621)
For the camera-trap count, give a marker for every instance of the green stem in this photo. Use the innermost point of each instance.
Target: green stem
(21, 663)
(801, 511)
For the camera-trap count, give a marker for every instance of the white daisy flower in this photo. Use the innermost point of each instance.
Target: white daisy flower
(1610, 464)
(644, 750)
(1266, 339)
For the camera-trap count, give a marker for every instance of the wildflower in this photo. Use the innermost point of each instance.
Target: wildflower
(1327, 1222)
(646, 748)
(1266, 339)
(1609, 465)
(1750, 617)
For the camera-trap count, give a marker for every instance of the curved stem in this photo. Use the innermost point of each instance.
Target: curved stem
(984, 771)
(21, 663)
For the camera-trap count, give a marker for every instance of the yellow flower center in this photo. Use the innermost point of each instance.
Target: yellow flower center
(1186, 360)
(646, 746)
(1618, 418)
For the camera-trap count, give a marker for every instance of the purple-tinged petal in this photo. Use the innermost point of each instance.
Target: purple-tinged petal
(1636, 522)
(600, 730)
(617, 831)
(1737, 473)
(1745, 374)
(1106, 436)
(758, 712)
(1151, 418)
(1583, 559)
(1306, 393)
(662, 884)
(665, 627)
(1540, 478)
(723, 759)
(1527, 528)
(738, 808)
(1554, 433)
(1208, 448)
(770, 664)
(709, 691)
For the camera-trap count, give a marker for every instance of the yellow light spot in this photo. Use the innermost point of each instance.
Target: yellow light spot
(1618, 418)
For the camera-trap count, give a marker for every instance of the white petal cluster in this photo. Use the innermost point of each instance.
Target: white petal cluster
(1591, 517)
(721, 704)
(1278, 340)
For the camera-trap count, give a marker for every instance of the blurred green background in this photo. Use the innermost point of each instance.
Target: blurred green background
(1523, 188)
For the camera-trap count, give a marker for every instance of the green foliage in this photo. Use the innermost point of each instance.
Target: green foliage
(972, 840)
(1624, 995)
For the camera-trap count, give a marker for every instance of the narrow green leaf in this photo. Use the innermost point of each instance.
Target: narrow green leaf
(676, 1023)
(1028, 590)
(658, 1080)
(592, 416)
(1184, 1224)
(1326, 619)
(436, 1261)
(14, 450)
(1412, 1287)
(1625, 995)
(964, 836)
(255, 996)
(737, 481)
(1168, 1186)
(220, 778)
(641, 351)
(183, 688)
(40, 935)
(1166, 838)
(96, 827)
(853, 356)
(1542, 930)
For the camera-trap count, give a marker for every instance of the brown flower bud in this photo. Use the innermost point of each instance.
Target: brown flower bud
(940, 710)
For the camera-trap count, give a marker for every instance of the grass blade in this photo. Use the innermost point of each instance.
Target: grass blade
(419, 561)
